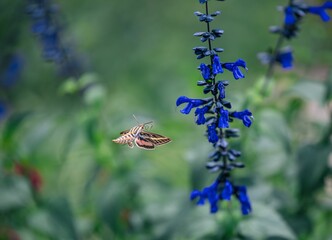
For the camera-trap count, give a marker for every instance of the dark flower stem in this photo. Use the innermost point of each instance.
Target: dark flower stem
(270, 69)
(211, 60)
(208, 29)
(220, 132)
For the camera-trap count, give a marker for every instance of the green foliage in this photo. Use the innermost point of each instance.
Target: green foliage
(139, 53)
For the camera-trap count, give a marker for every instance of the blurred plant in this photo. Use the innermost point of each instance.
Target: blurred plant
(213, 112)
(3, 110)
(46, 26)
(8, 234)
(11, 70)
(294, 13)
(32, 175)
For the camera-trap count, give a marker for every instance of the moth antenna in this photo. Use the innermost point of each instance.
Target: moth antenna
(136, 119)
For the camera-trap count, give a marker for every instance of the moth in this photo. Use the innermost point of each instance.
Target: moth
(142, 138)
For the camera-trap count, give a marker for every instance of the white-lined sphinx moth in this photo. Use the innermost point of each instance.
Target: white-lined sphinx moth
(142, 138)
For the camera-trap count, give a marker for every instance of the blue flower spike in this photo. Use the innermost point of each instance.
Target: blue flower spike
(215, 114)
(294, 12)
(45, 24)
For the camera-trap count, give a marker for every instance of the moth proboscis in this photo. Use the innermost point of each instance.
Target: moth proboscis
(142, 138)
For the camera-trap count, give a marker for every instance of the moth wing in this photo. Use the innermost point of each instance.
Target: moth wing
(141, 142)
(124, 132)
(155, 138)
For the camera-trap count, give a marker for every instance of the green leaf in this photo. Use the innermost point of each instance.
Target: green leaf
(12, 125)
(310, 90)
(328, 96)
(94, 94)
(265, 223)
(14, 191)
(62, 218)
(88, 79)
(312, 167)
(70, 86)
(55, 220)
(40, 221)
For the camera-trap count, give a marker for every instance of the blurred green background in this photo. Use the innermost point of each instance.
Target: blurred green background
(62, 177)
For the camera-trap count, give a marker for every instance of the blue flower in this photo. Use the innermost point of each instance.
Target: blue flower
(209, 193)
(285, 58)
(192, 103)
(200, 114)
(245, 116)
(321, 10)
(241, 194)
(202, 1)
(205, 70)
(234, 67)
(13, 71)
(227, 191)
(290, 18)
(3, 110)
(39, 26)
(212, 133)
(216, 65)
(221, 88)
(223, 118)
(51, 45)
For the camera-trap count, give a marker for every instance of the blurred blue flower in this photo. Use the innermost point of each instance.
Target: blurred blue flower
(234, 67)
(13, 71)
(227, 191)
(290, 18)
(202, 1)
(192, 103)
(205, 70)
(49, 31)
(200, 114)
(245, 116)
(241, 194)
(223, 118)
(216, 65)
(44, 25)
(285, 58)
(3, 110)
(212, 133)
(39, 26)
(320, 10)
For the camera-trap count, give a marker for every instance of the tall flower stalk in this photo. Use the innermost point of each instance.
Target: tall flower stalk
(294, 13)
(47, 28)
(215, 113)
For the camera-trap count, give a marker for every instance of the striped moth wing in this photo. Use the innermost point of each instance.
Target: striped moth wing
(154, 138)
(141, 142)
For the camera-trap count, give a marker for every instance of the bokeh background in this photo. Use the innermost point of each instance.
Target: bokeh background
(62, 177)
